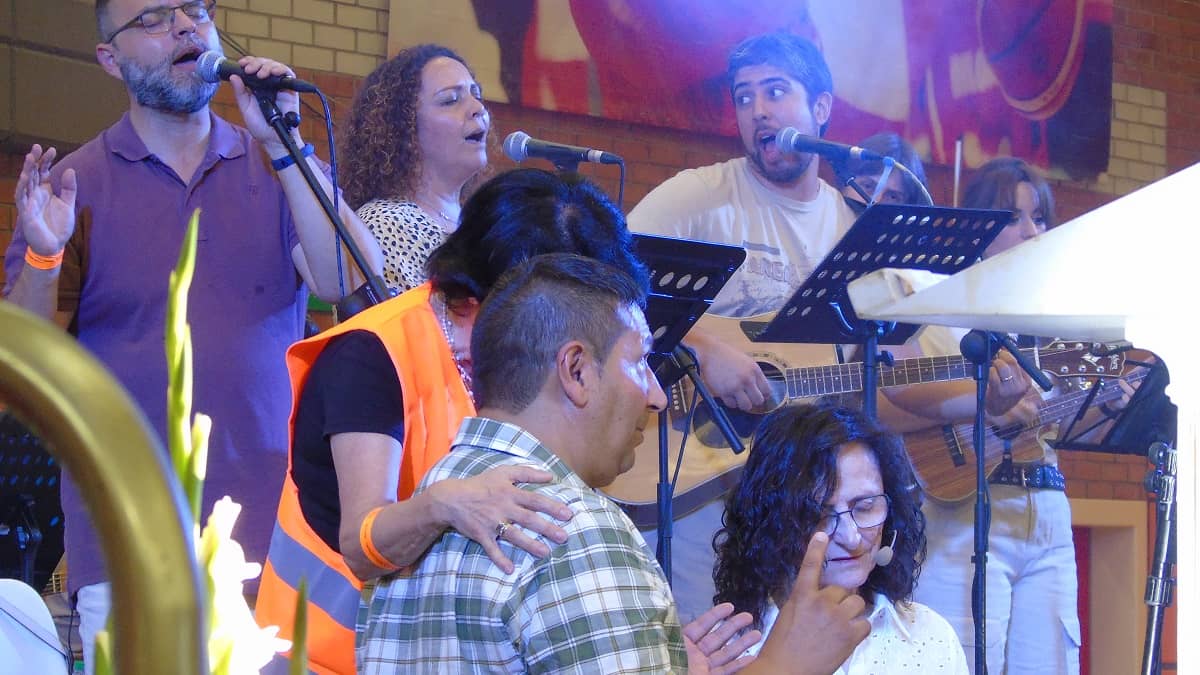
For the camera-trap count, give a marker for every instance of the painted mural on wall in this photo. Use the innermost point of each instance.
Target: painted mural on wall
(1031, 78)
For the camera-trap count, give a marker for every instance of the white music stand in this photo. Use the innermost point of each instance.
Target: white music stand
(1125, 271)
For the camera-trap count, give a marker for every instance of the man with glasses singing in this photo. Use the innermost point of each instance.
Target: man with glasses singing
(834, 470)
(98, 233)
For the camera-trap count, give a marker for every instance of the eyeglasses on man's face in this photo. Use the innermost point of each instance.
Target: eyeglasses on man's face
(159, 20)
(865, 512)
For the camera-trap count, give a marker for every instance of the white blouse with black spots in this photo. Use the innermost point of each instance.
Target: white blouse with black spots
(407, 236)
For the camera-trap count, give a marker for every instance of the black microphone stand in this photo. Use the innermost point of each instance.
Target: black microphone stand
(373, 291)
(979, 348)
(682, 363)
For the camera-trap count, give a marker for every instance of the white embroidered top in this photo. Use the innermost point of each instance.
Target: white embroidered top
(905, 639)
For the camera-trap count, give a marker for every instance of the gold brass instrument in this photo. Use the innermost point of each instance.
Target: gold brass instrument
(95, 431)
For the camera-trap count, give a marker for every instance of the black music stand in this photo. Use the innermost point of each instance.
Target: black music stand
(1149, 418)
(932, 238)
(685, 277)
(31, 518)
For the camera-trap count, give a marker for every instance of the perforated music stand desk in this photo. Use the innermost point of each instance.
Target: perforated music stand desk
(685, 277)
(932, 238)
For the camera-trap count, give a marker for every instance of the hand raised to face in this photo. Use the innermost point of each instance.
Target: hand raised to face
(818, 628)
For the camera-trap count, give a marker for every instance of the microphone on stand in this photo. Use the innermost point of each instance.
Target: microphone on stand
(519, 146)
(212, 66)
(789, 139)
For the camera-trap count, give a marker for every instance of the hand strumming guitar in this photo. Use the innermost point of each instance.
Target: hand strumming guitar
(731, 375)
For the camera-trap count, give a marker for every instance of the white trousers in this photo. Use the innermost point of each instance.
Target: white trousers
(93, 602)
(1032, 618)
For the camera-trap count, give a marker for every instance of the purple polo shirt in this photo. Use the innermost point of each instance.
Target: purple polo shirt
(245, 308)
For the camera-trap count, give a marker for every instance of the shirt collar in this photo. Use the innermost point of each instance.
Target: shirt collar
(223, 139)
(885, 612)
(484, 432)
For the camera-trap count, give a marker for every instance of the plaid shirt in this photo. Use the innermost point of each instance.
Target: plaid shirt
(597, 604)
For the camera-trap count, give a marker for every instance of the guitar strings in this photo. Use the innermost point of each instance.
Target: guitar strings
(1058, 407)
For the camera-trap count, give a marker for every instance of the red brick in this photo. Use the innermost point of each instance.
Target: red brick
(1099, 490)
(1086, 471)
(1140, 20)
(1113, 472)
(1165, 25)
(1129, 491)
(1076, 489)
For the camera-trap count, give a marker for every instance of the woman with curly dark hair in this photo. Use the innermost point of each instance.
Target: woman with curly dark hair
(417, 134)
(835, 470)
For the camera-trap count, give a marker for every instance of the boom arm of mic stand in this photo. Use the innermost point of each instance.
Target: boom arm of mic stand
(1039, 378)
(374, 286)
(685, 358)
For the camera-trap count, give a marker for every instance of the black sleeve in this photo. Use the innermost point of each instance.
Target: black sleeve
(352, 387)
(361, 387)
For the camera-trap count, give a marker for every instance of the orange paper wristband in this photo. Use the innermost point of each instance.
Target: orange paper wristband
(368, 545)
(43, 262)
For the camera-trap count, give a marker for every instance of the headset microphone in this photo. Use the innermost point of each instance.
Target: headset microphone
(883, 557)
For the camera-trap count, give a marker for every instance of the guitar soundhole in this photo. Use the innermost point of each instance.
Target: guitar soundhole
(744, 423)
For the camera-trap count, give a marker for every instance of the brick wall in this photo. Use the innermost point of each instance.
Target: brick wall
(342, 36)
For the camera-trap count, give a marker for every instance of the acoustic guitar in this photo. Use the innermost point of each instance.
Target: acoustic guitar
(710, 468)
(944, 457)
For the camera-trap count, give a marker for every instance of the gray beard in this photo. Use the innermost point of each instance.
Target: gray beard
(154, 88)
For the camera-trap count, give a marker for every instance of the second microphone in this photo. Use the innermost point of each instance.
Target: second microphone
(519, 146)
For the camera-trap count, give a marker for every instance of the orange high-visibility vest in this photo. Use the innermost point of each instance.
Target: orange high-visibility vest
(435, 403)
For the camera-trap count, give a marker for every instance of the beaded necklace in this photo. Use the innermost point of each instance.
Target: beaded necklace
(447, 330)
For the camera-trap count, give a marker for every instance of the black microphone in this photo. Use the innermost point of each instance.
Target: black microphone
(520, 147)
(789, 139)
(212, 66)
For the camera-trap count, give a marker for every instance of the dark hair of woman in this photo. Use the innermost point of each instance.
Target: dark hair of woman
(379, 155)
(526, 212)
(994, 186)
(775, 508)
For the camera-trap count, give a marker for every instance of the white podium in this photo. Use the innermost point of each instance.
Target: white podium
(1129, 270)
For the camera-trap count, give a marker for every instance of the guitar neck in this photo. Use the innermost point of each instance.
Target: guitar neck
(1058, 408)
(848, 377)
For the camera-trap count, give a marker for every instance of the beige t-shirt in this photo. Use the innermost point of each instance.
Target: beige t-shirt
(785, 239)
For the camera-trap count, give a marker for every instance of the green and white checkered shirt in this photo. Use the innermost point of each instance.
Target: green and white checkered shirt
(597, 604)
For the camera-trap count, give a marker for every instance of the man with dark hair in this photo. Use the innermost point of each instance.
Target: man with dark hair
(562, 385)
(98, 233)
(569, 394)
(775, 205)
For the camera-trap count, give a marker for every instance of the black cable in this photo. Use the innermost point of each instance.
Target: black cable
(56, 646)
(621, 187)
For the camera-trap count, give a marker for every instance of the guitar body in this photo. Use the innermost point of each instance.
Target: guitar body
(710, 468)
(800, 373)
(943, 457)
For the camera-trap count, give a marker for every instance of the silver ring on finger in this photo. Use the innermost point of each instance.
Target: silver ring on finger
(501, 528)
(1006, 379)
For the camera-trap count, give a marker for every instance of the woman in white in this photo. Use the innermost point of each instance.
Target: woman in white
(834, 469)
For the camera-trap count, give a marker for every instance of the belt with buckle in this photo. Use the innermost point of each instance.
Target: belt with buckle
(1035, 476)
